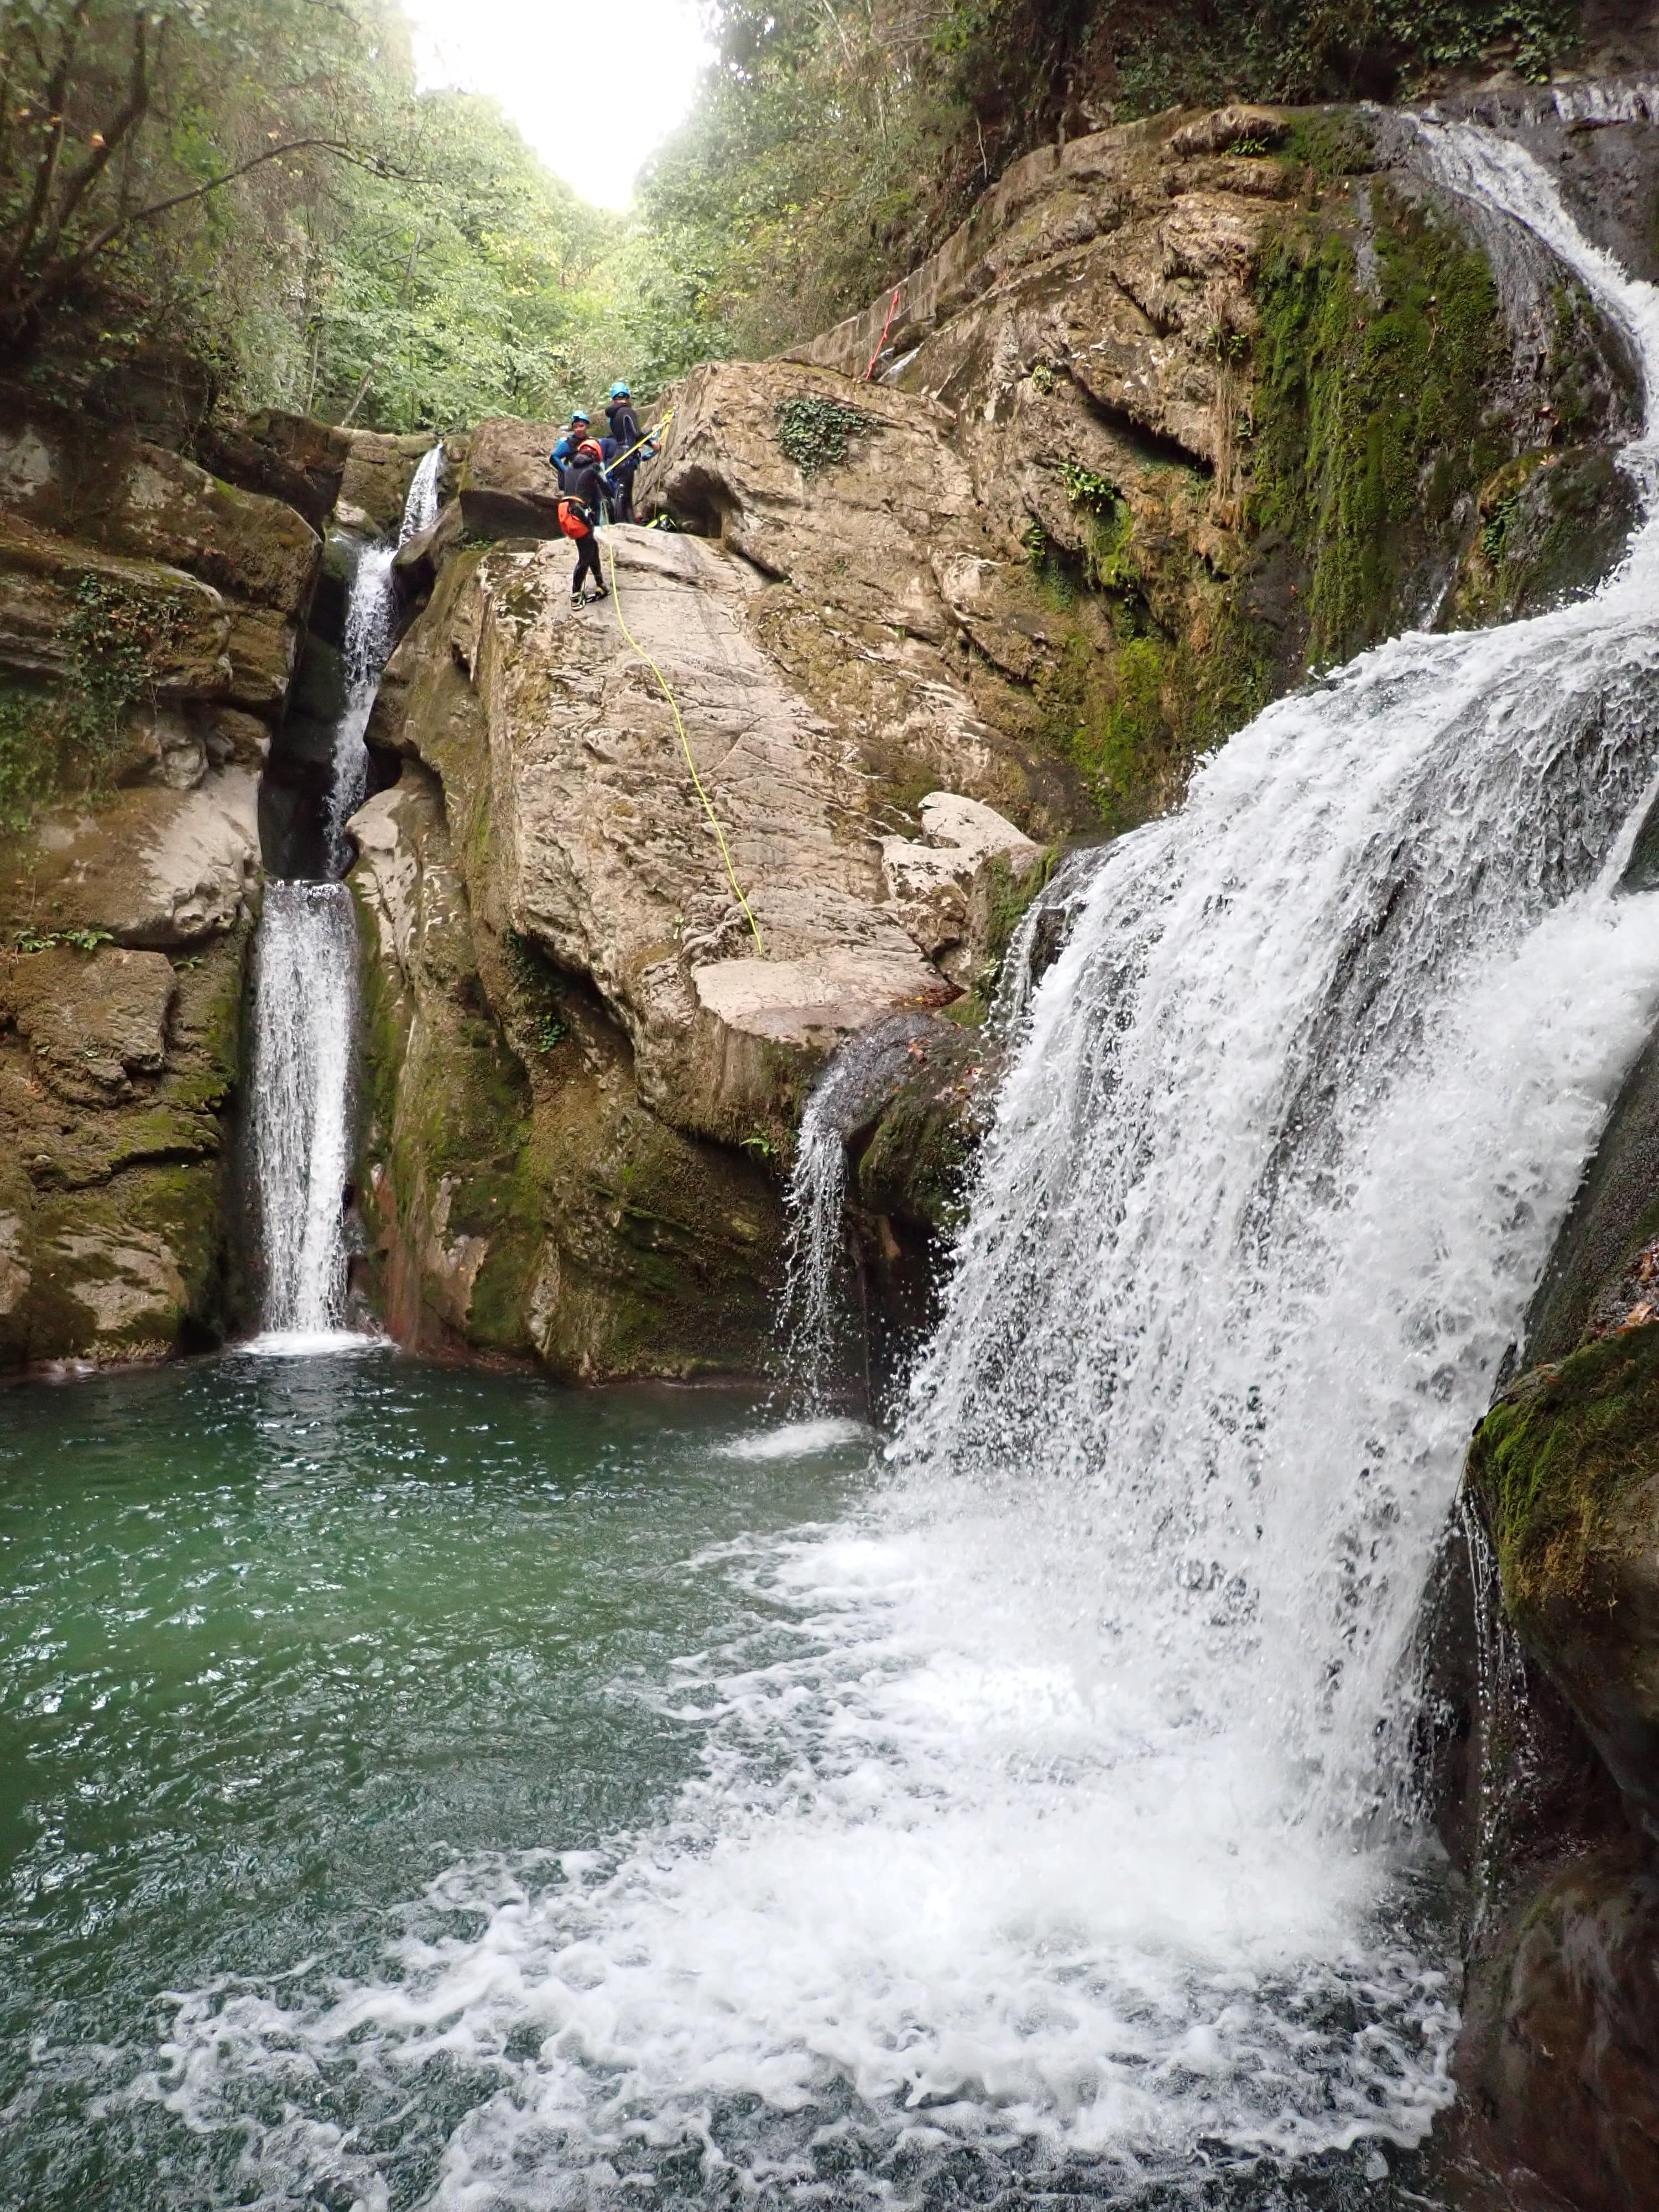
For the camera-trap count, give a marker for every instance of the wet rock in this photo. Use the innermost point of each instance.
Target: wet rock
(1567, 1464)
(1564, 2078)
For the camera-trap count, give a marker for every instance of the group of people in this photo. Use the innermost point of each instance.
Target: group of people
(596, 481)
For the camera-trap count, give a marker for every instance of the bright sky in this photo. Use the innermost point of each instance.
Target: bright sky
(594, 89)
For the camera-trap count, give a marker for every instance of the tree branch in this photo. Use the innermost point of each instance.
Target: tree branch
(132, 112)
(52, 281)
(46, 170)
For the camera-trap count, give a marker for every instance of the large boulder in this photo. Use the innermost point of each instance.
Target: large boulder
(507, 488)
(119, 495)
(293, 458)
(521, 1197)
(374, 483)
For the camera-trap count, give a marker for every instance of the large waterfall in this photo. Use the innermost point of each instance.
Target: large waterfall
(306, 987)
(1063, 1816)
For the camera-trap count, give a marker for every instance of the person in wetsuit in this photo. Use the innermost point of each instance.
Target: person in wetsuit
(584, 487)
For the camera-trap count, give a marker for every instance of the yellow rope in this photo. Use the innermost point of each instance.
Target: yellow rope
(685, 746)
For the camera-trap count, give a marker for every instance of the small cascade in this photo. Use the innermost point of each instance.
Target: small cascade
(306, 998)
(371, 627)
(420, 508)
(305, 981)
(814, 1205)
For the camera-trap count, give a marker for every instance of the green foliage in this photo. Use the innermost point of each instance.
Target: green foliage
(814, 432)
(1368, 422)
(28, 756)
(113, 642)
(1497, 528)
(82, 940)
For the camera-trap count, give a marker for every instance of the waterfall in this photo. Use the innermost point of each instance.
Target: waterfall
(1054, 1833)
(306, 990)
(420, 508)
(305, 987)
(371, 626)
(1295, 1117)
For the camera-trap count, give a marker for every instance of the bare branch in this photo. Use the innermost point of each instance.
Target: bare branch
(46, 170)
(130, 114)
(52, 281)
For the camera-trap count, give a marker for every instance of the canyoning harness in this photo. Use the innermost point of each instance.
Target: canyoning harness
(575, 518)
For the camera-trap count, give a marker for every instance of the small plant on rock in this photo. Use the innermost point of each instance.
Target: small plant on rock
(814, 432)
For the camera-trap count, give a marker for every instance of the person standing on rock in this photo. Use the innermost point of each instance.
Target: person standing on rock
(580, 509)
(565, 452)
(625, 430)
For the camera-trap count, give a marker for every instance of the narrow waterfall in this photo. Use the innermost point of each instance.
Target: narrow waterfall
(420, 508)
(306, 986)
(305, 980)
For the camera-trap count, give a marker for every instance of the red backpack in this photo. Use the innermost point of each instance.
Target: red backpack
(573, 519)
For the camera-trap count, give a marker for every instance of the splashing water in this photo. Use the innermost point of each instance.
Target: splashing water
(420, 508)
(1064, 1820)
(305, 1018)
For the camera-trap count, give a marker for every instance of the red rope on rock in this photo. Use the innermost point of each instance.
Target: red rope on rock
(893, 309)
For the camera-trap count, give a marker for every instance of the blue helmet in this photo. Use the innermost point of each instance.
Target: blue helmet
(620, 392)
(580, 414)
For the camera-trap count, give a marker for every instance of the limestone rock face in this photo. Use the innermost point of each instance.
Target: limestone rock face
(292, 457)
(523, 1200)
(123, 496)
(154, 867)
(49, 591)
(507, 488)
(375, 482)
(664, 1032)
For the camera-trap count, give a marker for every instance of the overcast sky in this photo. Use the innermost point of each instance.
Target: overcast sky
(640, 63)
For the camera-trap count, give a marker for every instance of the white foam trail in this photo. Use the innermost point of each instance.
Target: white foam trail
(799, 1440)
(309, 1343)
(1067, 1809)
(421, 507)
(305, 1011)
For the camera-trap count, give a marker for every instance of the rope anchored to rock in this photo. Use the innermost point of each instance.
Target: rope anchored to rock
(686, 747)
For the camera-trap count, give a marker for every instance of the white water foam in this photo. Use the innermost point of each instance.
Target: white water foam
(1066, 1815)
(800, 1439)
(304, 1010)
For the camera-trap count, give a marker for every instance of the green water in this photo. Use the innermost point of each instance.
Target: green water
(280, 1640)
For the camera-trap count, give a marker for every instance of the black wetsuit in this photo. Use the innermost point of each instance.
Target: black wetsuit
(582, 481)
(625, 430)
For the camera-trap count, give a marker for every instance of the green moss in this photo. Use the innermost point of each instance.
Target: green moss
(1370, 419)
(1555, 1458)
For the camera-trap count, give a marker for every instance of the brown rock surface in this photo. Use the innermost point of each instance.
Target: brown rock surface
(377, 475)
(507, 488)
(44, 585)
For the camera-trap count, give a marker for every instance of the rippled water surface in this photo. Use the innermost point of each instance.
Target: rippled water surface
(281, 1641)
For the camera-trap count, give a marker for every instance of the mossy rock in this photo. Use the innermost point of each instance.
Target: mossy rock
(1557, 1456)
